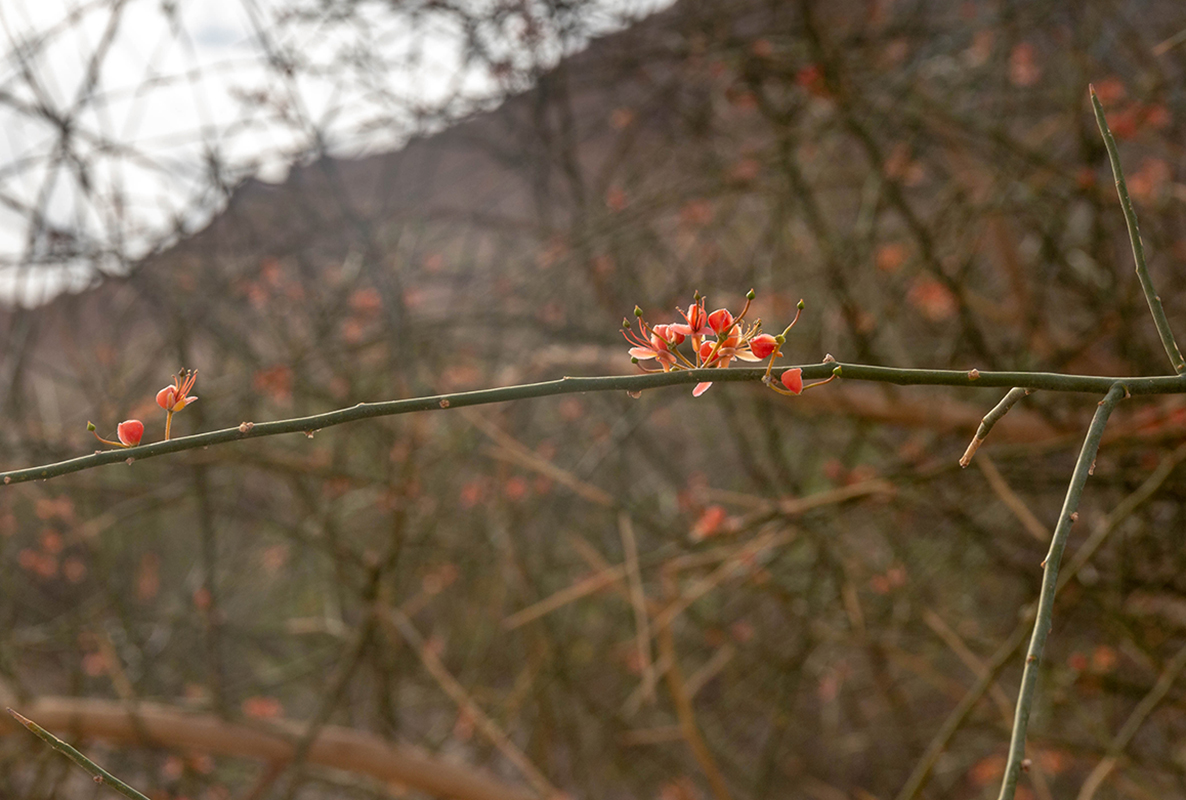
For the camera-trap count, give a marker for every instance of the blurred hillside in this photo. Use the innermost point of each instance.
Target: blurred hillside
(760, 597)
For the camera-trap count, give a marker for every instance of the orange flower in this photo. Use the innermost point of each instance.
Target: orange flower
(176, 397)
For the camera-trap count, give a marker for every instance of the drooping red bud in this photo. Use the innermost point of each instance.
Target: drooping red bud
(792, 379)
(762, 346)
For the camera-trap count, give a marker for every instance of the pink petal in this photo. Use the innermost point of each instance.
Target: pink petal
(701, 388)
(642, 353)
(746, 355)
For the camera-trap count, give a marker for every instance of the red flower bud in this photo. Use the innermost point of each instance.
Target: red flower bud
(668, 333)
(720, 320)
(130, 432)
(793, 380)
(762, 346)
(705, 351)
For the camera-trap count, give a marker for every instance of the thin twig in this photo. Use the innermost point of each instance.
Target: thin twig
(1138, 716)
(1029, 677)
(991, 419)
(1138, 248)
(740, 559)
(638, 599)
(684, 709)
(1033, 526)
(583, 588)
(99, 774)
(398, 626)
(973, 662)
(1163, 384)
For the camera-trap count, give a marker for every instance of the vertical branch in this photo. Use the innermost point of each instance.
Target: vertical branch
(1138, 249)
(683, 704)
(1029, 678)
(642, 628)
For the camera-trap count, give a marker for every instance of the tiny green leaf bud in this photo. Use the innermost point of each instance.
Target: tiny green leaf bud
(637, 311)
(90, 426)
(750, 295)
(801, 305)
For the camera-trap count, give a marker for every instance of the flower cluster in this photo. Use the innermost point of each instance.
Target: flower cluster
(717, 338)
(172, 398)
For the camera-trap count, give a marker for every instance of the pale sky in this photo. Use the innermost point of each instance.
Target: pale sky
(150, 93)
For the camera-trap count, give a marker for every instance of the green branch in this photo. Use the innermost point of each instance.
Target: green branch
(1173, 384)
(99, 774)
(1029, 678)
(1138, 249)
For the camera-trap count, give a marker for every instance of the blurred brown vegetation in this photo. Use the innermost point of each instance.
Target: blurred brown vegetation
(765, 597)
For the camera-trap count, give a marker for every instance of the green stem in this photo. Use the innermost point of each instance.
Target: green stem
(1167, 384)
(1029, 677)
(98, 773)
(991, 419)
(1138, 249)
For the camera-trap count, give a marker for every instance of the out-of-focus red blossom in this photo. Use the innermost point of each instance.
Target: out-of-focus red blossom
(472, 493)
(1110, 90)
(811, 79)
(366, 301)
(1023, 66)
(74, 570)
(710, 523)
(274, 381)
(615, 199)
(792, 379)
(262, 707)
(1103, 659)
(933, 299)
(130, 432)
(515, 489)
(987, 770)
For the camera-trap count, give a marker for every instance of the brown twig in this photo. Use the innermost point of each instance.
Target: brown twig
(399, 627)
